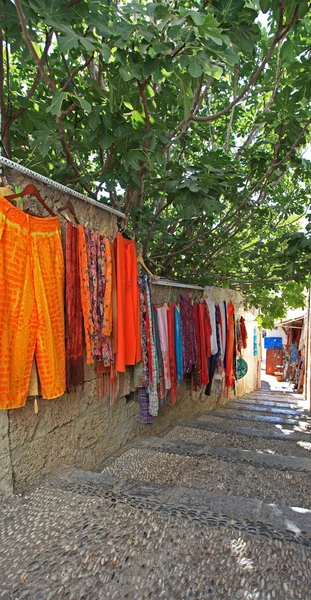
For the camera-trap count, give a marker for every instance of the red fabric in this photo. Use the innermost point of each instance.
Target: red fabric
(243, 332)
(204, 338)
(230, 377)
(74, 323)
(171, 349)
(208, 331)
(197, 379)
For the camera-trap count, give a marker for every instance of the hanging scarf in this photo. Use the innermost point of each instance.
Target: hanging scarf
(189, 340)
(178, 346)
(74, 325)
(243, 331)
(197, 371)
(161, 386)
(230, 344)
(86, 296)
(171, 346)
(204, 336)
(163, 332)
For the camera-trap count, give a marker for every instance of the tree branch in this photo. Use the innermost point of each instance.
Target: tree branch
(31, 47)
(76, 71)
(235, 87)
(280, 35)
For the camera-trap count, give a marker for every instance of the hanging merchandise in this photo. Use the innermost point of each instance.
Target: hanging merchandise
(163, 332)
(223, 312)
(31, 305)
(74, 328)
(171, 349)
(178, 345)
(255, 342)
(197, 370)
(95, 280)
(189, 340)
(129, 343)
(212, 314)
(230, 346)
(243, 331)
(161, 389)
(242, 368)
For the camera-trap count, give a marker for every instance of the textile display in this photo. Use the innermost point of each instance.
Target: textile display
(129, 344)
(178, 346)
(74, 329)
(31, 305)
(230, 344)
(255, 342)
(189, 339)
(163, 332)
(212, 315)
(95, 273)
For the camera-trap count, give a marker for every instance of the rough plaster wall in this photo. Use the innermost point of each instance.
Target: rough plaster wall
(79, 429)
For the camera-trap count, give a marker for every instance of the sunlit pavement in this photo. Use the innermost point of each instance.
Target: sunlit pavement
(218, 507)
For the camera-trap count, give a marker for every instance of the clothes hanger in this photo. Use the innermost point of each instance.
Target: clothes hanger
(141, 261)
(31, 190)
(68, 206)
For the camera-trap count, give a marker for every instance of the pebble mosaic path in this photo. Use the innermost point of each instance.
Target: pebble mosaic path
(219, 508)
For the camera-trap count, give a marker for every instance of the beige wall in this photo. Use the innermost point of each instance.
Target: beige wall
(80, 429)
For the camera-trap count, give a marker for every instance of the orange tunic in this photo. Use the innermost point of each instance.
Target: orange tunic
(31, 305)
(128, 338)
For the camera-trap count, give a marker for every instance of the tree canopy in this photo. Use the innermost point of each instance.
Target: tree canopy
(189, 116)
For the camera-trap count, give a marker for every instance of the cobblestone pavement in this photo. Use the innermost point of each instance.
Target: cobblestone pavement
(195, 514)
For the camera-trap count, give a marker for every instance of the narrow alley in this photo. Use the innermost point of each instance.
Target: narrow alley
(217, 507)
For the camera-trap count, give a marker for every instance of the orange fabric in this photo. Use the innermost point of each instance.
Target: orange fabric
(129, 342)
(230, 377)
(85, 296)
(31, 305)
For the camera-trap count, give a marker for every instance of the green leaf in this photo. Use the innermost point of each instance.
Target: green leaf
(185, 96)
(68, 42)
(105, 141)
(105, 52)
(197, 17)
(195, 66)
(88, 43)
(126, 76)
(229, 10)
(56, 104)
(264, 5)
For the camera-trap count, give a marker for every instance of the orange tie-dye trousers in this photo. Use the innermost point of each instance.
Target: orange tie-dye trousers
(31, 305)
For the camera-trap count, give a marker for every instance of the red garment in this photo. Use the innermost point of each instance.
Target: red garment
(171, 349)
(197, 373)
(243, 331)
(129, 342)
(230, 377)
(74, 324)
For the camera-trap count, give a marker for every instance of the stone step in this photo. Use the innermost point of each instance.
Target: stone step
(234, 455)
(279, 425)
(263, 409)
(252, 516)
(262, 418)
(289, 436)
(266, 403)
(226, 439)
(216, 475)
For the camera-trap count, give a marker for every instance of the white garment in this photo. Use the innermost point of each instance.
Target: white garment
(223, 312)
(212, 315)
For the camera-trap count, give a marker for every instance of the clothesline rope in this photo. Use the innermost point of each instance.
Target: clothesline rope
(58, 186)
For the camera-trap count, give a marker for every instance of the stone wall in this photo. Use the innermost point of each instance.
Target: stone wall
(79, 429)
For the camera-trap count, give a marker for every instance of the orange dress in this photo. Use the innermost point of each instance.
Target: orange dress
(230, 377)
(128, 338)
(31, 305)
